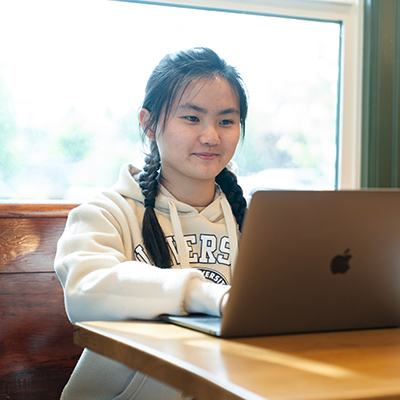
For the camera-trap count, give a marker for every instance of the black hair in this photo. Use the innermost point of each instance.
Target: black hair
(170, 79)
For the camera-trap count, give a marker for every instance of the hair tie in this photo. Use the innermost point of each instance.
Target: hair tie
(150, 202)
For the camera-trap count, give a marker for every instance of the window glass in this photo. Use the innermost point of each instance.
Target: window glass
(72, 77)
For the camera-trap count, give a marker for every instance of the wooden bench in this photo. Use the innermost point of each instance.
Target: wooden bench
(37, 354)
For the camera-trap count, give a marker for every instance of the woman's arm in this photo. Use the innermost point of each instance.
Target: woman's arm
(101, 282)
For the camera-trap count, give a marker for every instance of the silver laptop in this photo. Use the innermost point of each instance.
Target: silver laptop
(312, 261)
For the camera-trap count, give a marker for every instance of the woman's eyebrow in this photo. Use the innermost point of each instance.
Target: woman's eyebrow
(193, 107)
(229, 111)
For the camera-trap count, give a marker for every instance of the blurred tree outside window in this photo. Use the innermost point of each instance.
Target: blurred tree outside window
(72, 78)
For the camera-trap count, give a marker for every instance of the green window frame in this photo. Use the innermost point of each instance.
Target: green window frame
(380, 161)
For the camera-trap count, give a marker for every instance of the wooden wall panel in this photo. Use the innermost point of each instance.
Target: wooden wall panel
(36, 338)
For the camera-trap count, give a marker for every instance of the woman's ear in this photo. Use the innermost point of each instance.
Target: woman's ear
(144, 116)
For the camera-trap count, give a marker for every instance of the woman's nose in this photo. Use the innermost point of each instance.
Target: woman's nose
(210, 136)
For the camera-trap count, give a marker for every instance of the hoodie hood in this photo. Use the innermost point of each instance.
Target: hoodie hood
(128, 186)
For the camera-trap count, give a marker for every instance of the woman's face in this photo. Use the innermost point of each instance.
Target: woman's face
(201, 133)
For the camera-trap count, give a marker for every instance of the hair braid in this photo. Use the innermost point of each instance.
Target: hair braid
(153, 235)
(234, 193)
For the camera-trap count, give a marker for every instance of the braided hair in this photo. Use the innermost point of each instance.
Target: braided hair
(167, 83)
(229, 185)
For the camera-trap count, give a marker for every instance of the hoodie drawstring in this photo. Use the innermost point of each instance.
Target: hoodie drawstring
(179, 238)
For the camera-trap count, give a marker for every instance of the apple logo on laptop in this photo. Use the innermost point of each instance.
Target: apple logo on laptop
(340, 263)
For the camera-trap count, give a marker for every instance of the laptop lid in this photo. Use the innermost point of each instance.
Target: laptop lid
(316, 261)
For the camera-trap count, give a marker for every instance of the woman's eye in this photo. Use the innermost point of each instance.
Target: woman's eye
(192, 118)
(226, 122)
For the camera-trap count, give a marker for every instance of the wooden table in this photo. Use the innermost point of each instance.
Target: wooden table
(335, 365)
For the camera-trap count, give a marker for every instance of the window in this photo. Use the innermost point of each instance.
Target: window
(72, 76)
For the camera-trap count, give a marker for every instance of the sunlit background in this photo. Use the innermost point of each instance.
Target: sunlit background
(72, 78)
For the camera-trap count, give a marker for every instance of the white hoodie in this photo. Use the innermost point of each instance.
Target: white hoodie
(106, 274)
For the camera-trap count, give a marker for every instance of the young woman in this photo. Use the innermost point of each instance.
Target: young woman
(161, 240)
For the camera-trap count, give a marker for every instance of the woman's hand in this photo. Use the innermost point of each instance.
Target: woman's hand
(224, 300)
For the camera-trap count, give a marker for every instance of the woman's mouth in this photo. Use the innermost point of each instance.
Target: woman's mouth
(206, 156)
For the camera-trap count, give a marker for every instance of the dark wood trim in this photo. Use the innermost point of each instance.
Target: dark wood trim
(33, 210)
